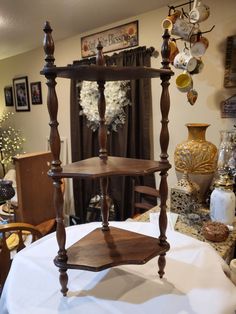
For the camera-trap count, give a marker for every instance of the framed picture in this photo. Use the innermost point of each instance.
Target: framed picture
(230, 62)
(8, 96)
(120, 37)
(21, 93)
(36, 93)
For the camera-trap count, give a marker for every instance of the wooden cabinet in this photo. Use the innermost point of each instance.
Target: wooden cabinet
(106, 246)
(34, 188)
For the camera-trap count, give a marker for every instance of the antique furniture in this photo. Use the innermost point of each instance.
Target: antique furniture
(106, 246)
(34, 190)
(195, 280)
(143, 199)
(13, 237)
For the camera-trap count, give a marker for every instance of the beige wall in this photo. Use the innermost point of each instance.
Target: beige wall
(209, 83)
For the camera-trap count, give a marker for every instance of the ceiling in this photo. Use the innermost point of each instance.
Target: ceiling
(21, 21)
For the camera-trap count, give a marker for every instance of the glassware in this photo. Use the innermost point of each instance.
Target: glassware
(227, 153)
(222, 201)
(6, 192)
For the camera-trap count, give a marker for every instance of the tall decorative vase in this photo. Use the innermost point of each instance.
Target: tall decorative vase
(197, 157)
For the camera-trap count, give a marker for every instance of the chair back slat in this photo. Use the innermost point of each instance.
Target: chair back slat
(12, 238)
(143, 199)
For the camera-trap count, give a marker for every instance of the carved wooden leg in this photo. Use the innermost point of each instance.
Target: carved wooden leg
(163, 188)
(161, 264)
(60, 232)
(63, 278)
(104, 203)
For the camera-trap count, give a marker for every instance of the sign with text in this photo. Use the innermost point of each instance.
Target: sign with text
(228, 108)
(120, 37)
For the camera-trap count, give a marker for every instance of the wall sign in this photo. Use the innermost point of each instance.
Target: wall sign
(116, 38)
(228, 107)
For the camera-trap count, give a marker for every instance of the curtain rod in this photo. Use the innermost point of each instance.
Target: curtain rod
(92, 60)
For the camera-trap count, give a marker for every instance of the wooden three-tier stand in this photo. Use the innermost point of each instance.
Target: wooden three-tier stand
(106, 246)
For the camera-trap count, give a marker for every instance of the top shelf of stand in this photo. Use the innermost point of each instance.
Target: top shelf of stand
(104, 73)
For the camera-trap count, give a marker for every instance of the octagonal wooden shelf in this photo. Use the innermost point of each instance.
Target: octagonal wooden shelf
(104, 249)
(105, 73)
(96, 167)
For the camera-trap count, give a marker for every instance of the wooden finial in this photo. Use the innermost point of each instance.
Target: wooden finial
(100, 58)
(48, 45)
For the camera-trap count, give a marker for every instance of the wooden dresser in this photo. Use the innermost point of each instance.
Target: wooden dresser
(34, 188)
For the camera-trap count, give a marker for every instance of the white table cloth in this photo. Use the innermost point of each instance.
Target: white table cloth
(194, 281)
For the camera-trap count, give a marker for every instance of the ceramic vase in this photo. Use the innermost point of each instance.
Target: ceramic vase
(197, 157)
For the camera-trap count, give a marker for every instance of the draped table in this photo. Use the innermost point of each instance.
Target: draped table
(225, 248)
(194, 280)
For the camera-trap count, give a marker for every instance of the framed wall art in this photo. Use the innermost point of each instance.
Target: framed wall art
(230, 62)
(120, 37)
(21, 93)
(36, 93)
(8, 96)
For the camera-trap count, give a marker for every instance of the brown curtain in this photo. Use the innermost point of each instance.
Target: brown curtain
(132, 139)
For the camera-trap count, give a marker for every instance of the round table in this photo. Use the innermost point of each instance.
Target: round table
(194, 281)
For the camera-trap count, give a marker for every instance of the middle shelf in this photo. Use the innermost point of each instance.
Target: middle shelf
(96, 167)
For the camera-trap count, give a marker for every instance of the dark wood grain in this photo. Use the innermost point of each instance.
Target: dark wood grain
(102, 131)
(108, 73)
(164, 143)
(103, 249)
(143, 199)
(106, 247)
(95, 167)
(34, 207)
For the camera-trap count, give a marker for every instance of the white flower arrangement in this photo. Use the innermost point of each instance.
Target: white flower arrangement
(116, 99)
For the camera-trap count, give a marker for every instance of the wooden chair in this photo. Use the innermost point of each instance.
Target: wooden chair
(12, 240)
(143, 199)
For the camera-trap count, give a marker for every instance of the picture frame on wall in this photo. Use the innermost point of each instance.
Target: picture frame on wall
(21, 93)
(36, 93)
(116, 38)
(230, 62)
(8, 94)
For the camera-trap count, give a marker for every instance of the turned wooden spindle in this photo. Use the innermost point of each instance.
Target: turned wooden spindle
(100, 60)
(63, 278)
(52, 102)
(164, 143)
(102, 131)
(102, 139)
(165, 99)
(48, 45)
(165, 50)
(163, 189)
(60, 234)
(55, 145)
(161, 264)
(104, 203)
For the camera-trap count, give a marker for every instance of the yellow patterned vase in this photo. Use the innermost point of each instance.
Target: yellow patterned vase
(197, 157)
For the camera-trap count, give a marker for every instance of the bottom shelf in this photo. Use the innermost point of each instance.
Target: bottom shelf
(104, 249)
